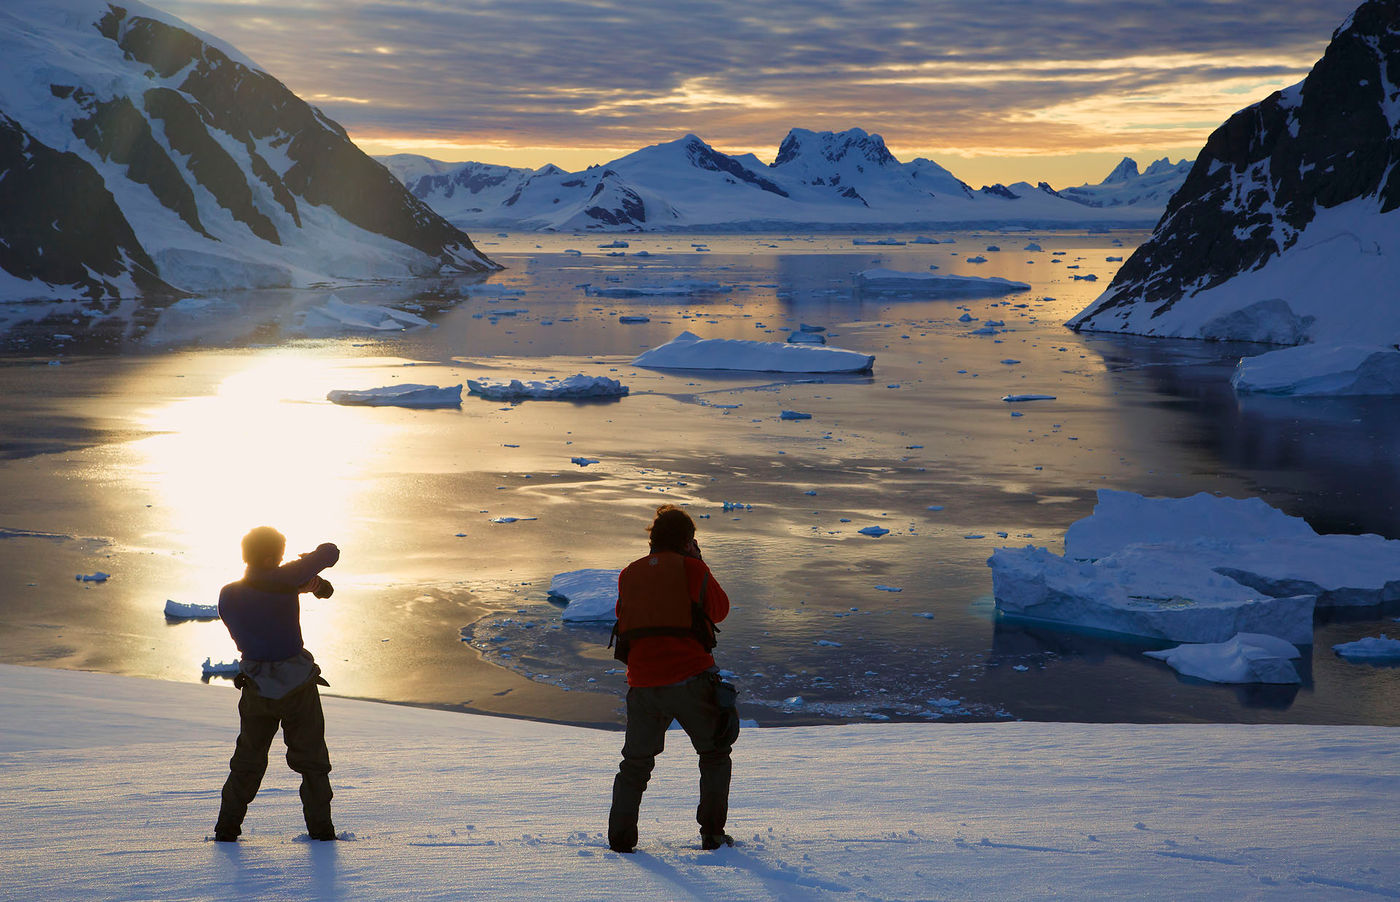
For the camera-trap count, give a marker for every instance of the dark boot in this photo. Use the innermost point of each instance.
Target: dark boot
(709, 841)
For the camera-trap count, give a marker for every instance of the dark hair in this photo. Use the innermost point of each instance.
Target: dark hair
(263, 545)
(672, 529)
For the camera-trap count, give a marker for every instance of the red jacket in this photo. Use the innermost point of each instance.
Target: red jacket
(663, 660)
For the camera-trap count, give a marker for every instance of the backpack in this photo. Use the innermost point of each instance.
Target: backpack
(659, 604)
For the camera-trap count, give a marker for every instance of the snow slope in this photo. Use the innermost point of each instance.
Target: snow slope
(139, 156)
(817, 179)
(109, 786)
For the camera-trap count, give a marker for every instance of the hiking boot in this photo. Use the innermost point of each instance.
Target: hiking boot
(322, 835)
(622, 839)
(715, 840)
(225, 837)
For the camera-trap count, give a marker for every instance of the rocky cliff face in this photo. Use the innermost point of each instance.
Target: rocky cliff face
(1312, 164)
(137, 156)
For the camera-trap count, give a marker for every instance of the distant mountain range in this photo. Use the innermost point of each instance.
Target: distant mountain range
(817, 180)
(140, 156)
(1286, 230)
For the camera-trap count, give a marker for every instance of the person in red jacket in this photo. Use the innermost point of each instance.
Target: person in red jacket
(667, 606)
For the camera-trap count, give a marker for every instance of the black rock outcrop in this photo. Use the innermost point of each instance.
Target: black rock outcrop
(1263, 175)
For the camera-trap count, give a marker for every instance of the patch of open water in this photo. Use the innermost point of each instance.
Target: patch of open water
(162, 434)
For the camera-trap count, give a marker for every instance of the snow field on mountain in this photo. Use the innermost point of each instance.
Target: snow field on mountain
(111, 784)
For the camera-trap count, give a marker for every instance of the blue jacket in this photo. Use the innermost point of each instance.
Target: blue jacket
(261, 610)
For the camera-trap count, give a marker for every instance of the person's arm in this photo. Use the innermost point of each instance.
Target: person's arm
(301, 574)
(716, 601)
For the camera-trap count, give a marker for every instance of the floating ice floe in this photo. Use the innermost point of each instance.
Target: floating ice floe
(570, 389)
(690, 351)
(633, 319)
(1198, 569)
(893, 242)
(407, 395)
(98, 577)
(336, 314)
(875, 531)
(1321, 370)
(1246, 658)
(1015, 399)
(672, 289)
(794, 415)
(503, 520)
(223, 668)
(583, 461)
(178, 611)
(1371, 650)
(588, 595)
(932, 283)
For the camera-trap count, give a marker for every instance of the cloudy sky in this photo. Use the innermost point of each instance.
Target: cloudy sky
(996, 90)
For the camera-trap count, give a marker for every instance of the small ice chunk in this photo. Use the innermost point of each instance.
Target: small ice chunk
(1028, 397)
(511, 519)
(583, 461)
(406, 395)
(98, 577)
(1245, 658)
(572, 388)
(1370, 650)
(889, 588)
(588, 595)
(223, 668)
(175, 610)
(827, 643)
(632, 319)
(876, 531)
(795, 415)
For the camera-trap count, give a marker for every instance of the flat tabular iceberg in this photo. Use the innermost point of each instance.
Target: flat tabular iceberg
(1321, 370)
(929, 283)
(409, 395)
(1247, 658)
(689, 351)
(570, 389)
(1198, 569)
(591, 595)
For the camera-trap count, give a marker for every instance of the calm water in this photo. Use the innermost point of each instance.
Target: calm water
(163, 435)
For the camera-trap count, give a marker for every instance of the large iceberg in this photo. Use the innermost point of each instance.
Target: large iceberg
(689, 351)
(1321, 370)
(1247, 658)
(1198, 569)
(931, 283)
(1138, 593)
(589, 595)
(408, 395)
(571, 389)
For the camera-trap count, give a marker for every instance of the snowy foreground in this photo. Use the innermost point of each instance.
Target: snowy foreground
(109, 788)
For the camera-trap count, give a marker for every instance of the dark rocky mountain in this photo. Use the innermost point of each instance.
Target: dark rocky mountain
(138, 156)
(1308, 165)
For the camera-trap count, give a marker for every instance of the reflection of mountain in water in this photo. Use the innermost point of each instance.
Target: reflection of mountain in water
(1329, 460)
(163, 323)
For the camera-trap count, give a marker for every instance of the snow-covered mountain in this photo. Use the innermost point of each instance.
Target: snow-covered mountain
(138, 156)
(1126, 186)
(1285, 230)
(817, 179)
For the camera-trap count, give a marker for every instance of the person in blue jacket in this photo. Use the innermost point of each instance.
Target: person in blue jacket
(278, 678)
